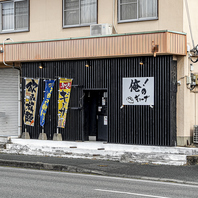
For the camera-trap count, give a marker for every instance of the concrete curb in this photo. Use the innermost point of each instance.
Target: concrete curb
(46, 166)
(74, 169)
(192, 160)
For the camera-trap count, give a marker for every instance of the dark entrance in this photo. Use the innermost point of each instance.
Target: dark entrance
(95, 115)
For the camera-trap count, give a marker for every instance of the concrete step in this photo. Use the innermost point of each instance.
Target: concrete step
(103, 151)
(3, 139)
(61, 145)
(73, 151)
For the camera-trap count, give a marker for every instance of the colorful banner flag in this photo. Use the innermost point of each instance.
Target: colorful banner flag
(31, 92)
(63, 101)
(49, 84)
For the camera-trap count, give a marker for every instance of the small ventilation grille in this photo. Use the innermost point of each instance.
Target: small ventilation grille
(195, 135)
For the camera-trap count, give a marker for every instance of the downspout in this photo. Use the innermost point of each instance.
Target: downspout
(19, 88)
(189, 23)
(114, 17)
(19, 105)
(190, 28)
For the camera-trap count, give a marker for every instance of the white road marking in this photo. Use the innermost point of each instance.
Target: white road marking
(129, 193)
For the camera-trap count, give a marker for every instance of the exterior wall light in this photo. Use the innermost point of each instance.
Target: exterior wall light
(142, 60)
(41, 66)
(87, 64)
(141, 63)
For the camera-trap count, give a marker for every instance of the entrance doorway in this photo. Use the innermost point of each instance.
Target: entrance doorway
(95, 115)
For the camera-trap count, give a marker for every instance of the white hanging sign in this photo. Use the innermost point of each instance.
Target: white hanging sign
(138, 91)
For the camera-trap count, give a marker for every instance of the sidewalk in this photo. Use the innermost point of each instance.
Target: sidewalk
(104, 151)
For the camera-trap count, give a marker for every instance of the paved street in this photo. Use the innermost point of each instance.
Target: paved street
(22, 183)
(179, 174)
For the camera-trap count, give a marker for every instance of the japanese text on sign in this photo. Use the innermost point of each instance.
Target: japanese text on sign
(63, 101)
(49, 84)
(138, 91)
(31, 90)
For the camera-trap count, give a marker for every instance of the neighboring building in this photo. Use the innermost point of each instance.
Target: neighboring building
(131, 75)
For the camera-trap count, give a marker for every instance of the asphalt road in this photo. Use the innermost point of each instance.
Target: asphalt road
(23, 183)
(179, 174)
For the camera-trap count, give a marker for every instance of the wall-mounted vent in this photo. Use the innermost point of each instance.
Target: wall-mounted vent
(195, 135)
(100, 29)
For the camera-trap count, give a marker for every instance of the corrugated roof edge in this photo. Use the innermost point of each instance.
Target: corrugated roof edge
(111, 35)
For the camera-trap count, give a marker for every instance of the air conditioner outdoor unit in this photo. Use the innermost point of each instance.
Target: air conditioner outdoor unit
(100, 29)
(195, 134)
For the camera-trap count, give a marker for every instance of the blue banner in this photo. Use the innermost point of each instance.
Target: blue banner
(49, 84)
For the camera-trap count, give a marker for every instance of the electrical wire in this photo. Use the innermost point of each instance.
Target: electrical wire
(193, 60)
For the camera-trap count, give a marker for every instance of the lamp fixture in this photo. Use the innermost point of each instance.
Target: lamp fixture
(87, 64)
(41, 66)
(141, 63)
(142, 60)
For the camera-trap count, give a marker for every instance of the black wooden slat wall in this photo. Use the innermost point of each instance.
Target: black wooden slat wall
(129, 125)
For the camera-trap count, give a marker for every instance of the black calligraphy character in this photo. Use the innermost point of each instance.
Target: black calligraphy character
(137, 98)
(29, 106)
(141, 99)
(32, 97)
(134, 86)
(146, 97)
(62, 110)
(31, 86)
(143, 91)
(28, 116)
(63, 94)
(145, 82)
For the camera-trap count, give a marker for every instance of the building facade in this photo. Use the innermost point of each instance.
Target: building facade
(143, 48)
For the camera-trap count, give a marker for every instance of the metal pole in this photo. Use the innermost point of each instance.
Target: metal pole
(25, 131)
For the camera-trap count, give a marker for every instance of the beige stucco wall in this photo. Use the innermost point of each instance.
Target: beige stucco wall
(187, 100)
(46, 20)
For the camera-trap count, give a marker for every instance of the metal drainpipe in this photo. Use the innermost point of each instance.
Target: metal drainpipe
(19, 91)
(114, 16)
(189, 22)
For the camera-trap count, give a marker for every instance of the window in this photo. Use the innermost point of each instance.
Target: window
(79, 12)
(137, 10)
(14, 16)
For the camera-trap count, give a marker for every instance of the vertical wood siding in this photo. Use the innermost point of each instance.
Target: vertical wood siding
(130, 125)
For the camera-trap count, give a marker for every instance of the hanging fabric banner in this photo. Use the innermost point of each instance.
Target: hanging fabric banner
(63, 100)
(31, 92)
(49, 84)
